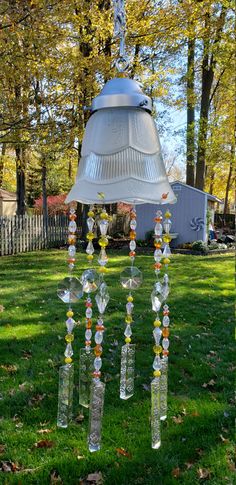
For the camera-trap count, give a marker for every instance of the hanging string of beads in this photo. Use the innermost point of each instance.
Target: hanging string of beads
(157, 300)
(131, 279)
(166, 320)
(102, 299)
(69, 291)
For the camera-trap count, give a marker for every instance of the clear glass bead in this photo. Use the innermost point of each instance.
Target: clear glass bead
(90, 248)
(88, 334)
(71, 266)
(157, 335)
(69, 351)
(97, 363)
(103, 226)
(165, 307)
(69, 290)
(165, 343)
(158, 255)
(132, 245)
(71, 251)
(159, 213)
(98, 337)
(102, 299)
(157, 363)
(90, 223)
(131, 278)
(156, 297)
(128, 331)
(133, 224)
(167, 252)
(70, 323)
(72, 226)
(166, 321)
(89, 312)
(129, 307)
(90, 280)
(158, 229)
(72, 210)
(103, 258)
(167, 225)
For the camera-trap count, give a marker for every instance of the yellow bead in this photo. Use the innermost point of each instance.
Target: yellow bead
(90, 214)
(130, 298)
(102, 269)
(70, 314)
(90, 257)
(157, 373)
(166, 261)
(157, 349)
(90, 236)
(167, 214)
(166, 238)
(127, 340)
(128, 319)
(103, 241)
(68, 360)
(157, 323)
(104, 215)
(69, 338)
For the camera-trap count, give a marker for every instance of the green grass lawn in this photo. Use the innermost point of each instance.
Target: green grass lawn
(197, 438)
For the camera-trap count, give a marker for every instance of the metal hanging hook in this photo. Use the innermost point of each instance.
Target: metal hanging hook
(122, 63)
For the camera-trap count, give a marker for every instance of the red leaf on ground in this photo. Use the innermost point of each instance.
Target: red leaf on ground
(43, 444)
(176, 472)
(204, 473)
(123, 452)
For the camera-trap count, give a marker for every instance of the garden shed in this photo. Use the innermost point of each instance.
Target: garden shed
(8, 203)
(189, 214)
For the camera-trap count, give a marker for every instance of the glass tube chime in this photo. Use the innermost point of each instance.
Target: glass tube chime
(159, 296)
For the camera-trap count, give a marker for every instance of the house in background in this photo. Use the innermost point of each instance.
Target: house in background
(189, 214)
(8, 203)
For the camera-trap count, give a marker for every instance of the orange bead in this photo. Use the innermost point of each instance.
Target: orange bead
(165, 352)
(98, 350)
(132, 254)
(133, 215)
(71, 260)
(97, 373)
(89, 323)
(158, 219)
(157, 265)
(165, 332)
(157, 245)
(166, 312)
(71, 239)
(100, 328)
(132, 235)
(72, 217)
(88, 343)
(88, 304)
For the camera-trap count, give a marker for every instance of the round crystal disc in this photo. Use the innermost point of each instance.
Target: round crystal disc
(70, 290)
(131, 278)
(90, 280)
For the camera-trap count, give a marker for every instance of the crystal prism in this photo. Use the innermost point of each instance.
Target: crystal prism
(90, 280)
(90, 223)
(128, 331)
(155, 413)
(97, 363)
(85, 376)
(90, 248)
(127, 371)
(103, 258)
(72, 226)
(129, 307)
(69, 351)
(70, 323)
(98, 337)
(103, 226)
(95, 415)
(133, 224)
(71, 251)
(157, 365)
(132, 245)
(157, 335)
(157, 297)
(102, 298)
(166, 321)
(65, 395)
(158, 229)
(167, 225)
(163, 388)
(158, 255)
(165, 343)
(131, 278)
(167, 252)
(70, 290)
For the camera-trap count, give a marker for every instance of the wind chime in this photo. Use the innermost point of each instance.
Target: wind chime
(120, 161)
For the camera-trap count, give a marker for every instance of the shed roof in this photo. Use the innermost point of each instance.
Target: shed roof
(209, 196)
(6, 195)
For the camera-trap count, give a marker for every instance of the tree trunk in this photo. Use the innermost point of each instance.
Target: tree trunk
(2, 163)
(226, 204)
(44, 192)
(190, 169)
(208, 68)
(212, 180)
(20, 179)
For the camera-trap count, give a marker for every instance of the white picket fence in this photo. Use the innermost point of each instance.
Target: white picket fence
(19, 234)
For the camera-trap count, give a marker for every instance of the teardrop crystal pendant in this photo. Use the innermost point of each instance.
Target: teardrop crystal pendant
(157, 297)
(65, 395)
(155, 413)
(102, 298)
(127, 371)
(85, 376)
(163, 388)
(70, 290)
(95, 415)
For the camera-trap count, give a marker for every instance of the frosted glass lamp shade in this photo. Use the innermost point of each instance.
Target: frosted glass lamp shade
(121, 159)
